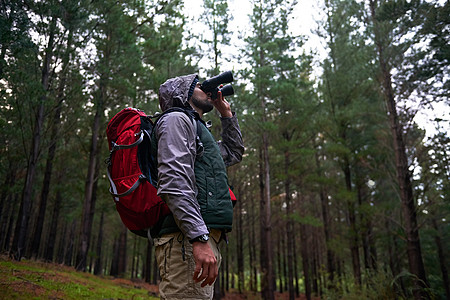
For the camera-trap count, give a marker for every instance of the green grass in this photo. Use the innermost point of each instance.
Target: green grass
(36, 280)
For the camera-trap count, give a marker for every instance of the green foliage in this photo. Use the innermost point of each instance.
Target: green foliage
(306, 220)
(327, 139)
(377, 285)
(216, 18)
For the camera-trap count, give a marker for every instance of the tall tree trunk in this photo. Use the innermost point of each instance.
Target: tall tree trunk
(252, 246)
(155, 272)
(331, 268)
(134, 256)
(46, 186)
(138, 259)
(224, 277)
(4, 209)
(305, 260)
(90, 186)
(7, 210)
(7, 242)
(50, 245)
(27, 193)
(51, 150)
(392, 251)
(240, 246)
(353, 231)
(69, 245)
(367, 239)
(61, 244)
(289, 231)
(284, 267)
(227, 272)
(114, 271)
(278, 272)
(266, 257)
(296, 276)
(122, 252)
(98, 269)
(414, 250)
(148, 262)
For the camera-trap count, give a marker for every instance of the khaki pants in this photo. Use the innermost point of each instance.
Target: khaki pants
(176, 266)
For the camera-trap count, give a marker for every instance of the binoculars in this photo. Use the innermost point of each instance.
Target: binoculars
(211, 86)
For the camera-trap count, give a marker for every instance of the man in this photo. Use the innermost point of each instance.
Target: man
(193, 182)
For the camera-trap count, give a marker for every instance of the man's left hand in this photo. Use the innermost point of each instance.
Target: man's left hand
(222, 106)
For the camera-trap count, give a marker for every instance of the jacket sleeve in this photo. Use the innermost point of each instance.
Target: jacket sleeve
(231, 146)
(176, 179)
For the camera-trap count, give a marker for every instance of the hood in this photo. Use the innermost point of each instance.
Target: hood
(174, 92)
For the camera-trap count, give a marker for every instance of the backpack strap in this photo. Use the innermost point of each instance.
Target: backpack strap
(115, 146)
(135, 185)
(195, 118)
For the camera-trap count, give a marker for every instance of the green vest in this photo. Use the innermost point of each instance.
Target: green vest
(212, 185)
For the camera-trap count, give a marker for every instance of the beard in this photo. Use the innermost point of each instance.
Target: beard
(204, 105)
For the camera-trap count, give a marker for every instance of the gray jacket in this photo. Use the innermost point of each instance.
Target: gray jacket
(176, 135)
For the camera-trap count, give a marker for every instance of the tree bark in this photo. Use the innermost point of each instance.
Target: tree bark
(27, 193)
(68, 252)
(289, 225)
(368, 243)
(252, 247)
(133, 257)
(278, 273)
(98, 268)
(7, 242)
(331, 268)
(122, 252)
(114, 271)
(414, 251)
(46, 186)
(4, 209)
(7, 210)
(50, 245)
(51, 151)
(61, 244)
(90, 186)
(296, 277)
(148, 263)
(155, 272)
(353, 231)
(305, 260)
(240, 247)
(266, 257)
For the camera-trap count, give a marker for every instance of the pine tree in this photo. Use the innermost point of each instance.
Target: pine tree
(384, 17)
(216, 18)
(269, 52)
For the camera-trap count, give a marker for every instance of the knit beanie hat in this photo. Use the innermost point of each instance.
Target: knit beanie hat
(192, 87)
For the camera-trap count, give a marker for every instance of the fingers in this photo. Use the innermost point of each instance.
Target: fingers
(206, 272)
(222, 106)
(206, 268)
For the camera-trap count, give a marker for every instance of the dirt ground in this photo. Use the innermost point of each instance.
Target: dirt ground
(153, 290)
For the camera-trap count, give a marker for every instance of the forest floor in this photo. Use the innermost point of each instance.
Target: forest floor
(30, 279)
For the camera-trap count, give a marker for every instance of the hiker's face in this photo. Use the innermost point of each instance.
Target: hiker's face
(201, 100)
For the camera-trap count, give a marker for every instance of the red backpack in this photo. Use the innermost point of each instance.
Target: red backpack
(132, 169)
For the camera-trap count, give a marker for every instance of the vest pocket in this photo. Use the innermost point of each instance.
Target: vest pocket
(210, 192)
